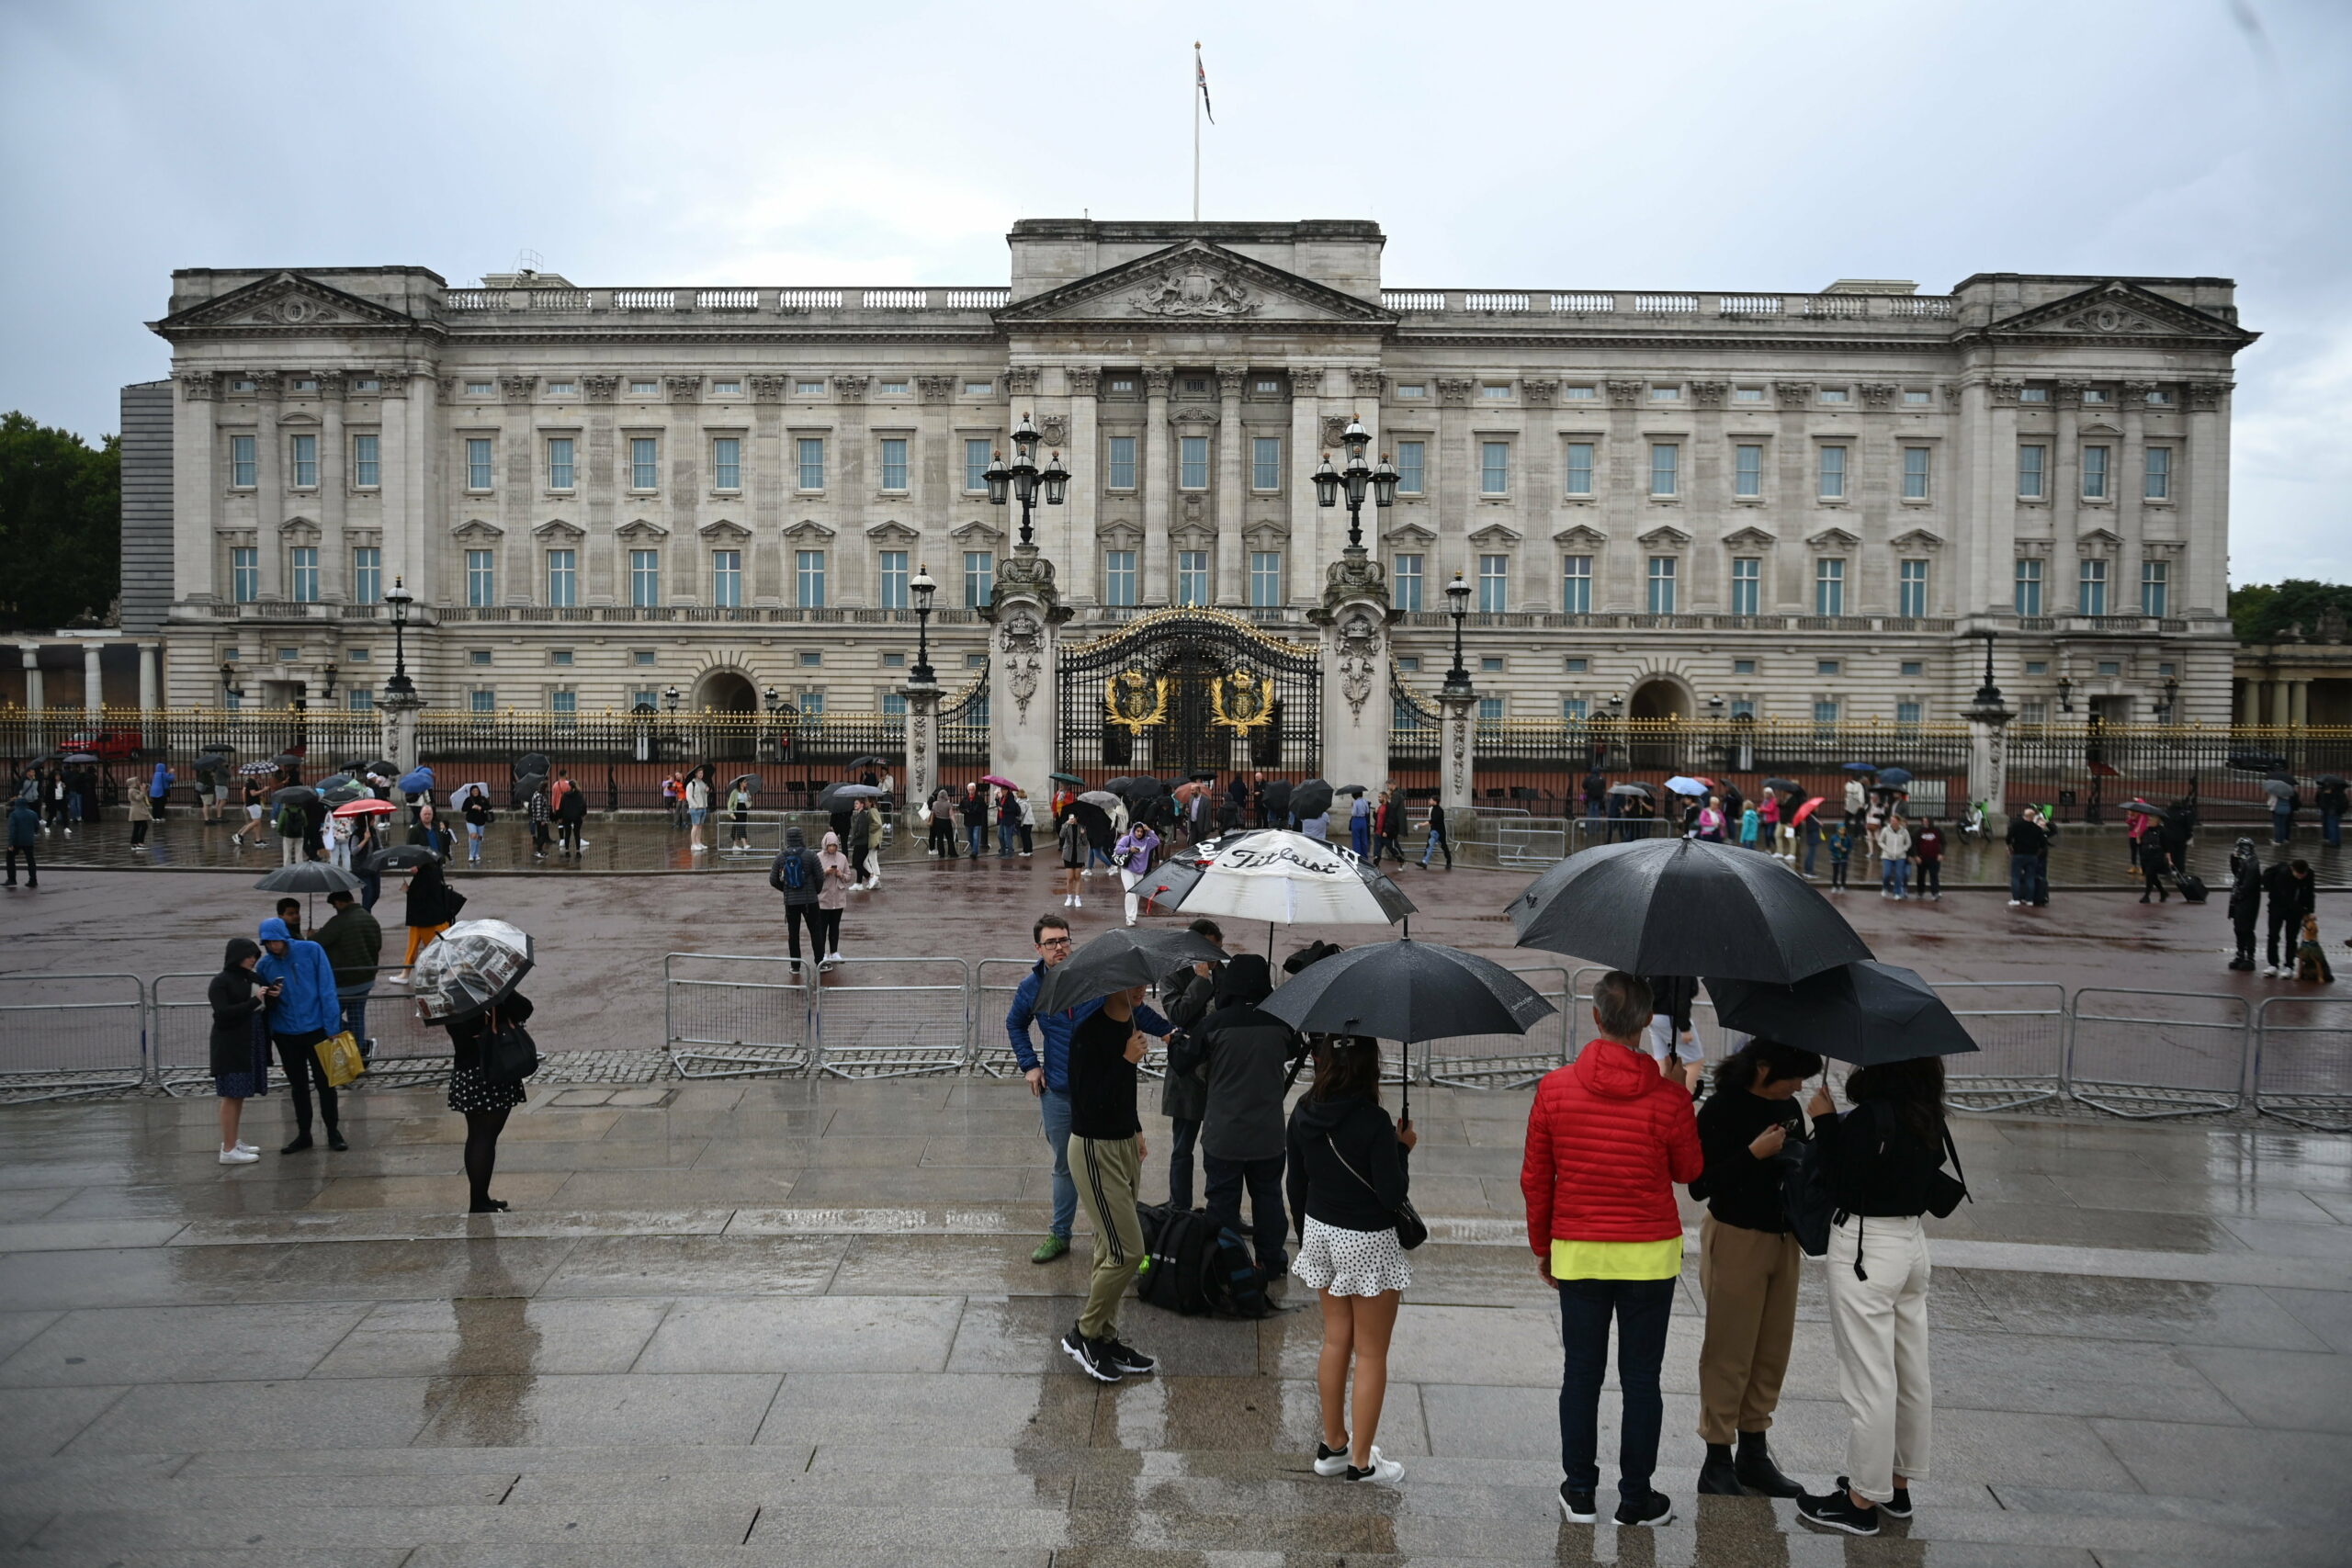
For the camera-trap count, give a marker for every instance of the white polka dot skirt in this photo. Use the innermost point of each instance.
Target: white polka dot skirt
(1351, 1263)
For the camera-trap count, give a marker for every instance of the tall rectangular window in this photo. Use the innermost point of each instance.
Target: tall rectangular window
(980, 578)
(240, 461)
(306, 462)
(358, 699)
(894, 580)
(565, 706)
(2095, 473)
(366, 575)
(1494, 584)
(809, 579)
(894, 704)
(2155, 587)
(478, 473)
(1825, 710)
(1192, 577)
(2091, 589)
(2159, 474)
(2033, 463)
(244, 574)
(812, 705)
(1572, 710)
(1580, 468)
(894, 462)
(726, 463)
(558, 463)
(1410, 458)
(1409, 582)
(1833, 473)
(481, 578)
(482, 701)
(563, 579)
(1747, 585)
(1747, 470)
(1265, 462)
(1661, 599)
(1123, 462)
(976, 451)
(1494, 468)
(645, 578)
(1908, 714)
(727, 578)
(1915, 473)
(1576, 585)
(303, 570)
(811, 450)
(366, 467)
(1911, 588)
(1666, 464)
(1265, 579)
(1192, 462)
(1119, 578)
(644, 463)
(2029, 580)
(1829, 585)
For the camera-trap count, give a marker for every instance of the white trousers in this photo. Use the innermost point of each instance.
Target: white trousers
(1665, 1042)
(1128, 879)
(1880, 1326)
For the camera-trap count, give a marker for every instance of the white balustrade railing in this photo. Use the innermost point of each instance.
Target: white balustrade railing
(1667, 304)
(977, 299)
(1585, 304)
(895, 299)
(1494, 302)
(1930, 307)
(1837, 307)
(469, 300)
(559, 299)
(809, 299)
(1750, 305)
(645, 298)
(1412, 299)
(727, 299)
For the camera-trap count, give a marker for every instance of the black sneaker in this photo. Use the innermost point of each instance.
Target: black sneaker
(1837, 1511)
(1898, 1507)
(1088, 1354)
(1577, 1505)
(1130, 1361)
(1655, 1509)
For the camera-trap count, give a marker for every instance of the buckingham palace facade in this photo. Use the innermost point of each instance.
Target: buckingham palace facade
(1800, 506)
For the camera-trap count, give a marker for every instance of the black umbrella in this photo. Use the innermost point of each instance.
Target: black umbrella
(2335, 779)
(1121, 957)
(2255, 761)
(869, 762)
(1351, 789)
(380, 767)
(1864, 1013)
(2145, 808)
(1166, 884)
(1312, 798)
(288, 758)
(1206, 775)
(1066, 778)
(529, 762)
(293, 792)
(1782, 784)
(1278, 799)
(309, 877)
(2280, 789)
(838, 797)
(403, 857)
(1093, 820)
(526, 786)
(1408, 991)
(1641, 789)
(1685, 906)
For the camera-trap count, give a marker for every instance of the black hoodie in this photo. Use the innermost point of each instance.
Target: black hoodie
(1323, 1134)
(1247, 1051)
(234, 1003)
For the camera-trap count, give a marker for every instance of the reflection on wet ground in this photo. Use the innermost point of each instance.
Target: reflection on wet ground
(780, 1323)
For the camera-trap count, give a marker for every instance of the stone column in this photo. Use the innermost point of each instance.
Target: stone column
(1354, 616)
(1084, 459)
(399, 711)
(922, 747)
(93, 700)
(36, 692)
(269, 487)
(1306, 541)
(1230, 458)
(2299, 703)
(2249, 703)
(2204, 507)
(150, 689)
(2279, 709)
(334, 491)
(1024, 611)
(1988, 757)
(1158, 581)
(1457, 760)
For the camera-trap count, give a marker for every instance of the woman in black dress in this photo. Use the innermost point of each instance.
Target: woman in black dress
(484, 1101)
(239, 1049)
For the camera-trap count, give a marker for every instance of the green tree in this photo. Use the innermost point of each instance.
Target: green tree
(60, 526)
(2274, 612)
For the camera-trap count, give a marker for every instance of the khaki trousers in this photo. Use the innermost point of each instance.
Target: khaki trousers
(1750, 1280)
(1108, 1172)
(1880, 1326)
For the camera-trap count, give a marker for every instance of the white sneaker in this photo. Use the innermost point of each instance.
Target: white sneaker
(239, 1155)
(584, 844)
(834, 957)
(249, 1148)
(702, 848)
(1077, 902)
(2016, 903)
(1384, 1470)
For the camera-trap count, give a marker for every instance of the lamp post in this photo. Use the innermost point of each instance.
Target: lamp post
(2066, 694)
(227, 684)
(921, 587)
(2172, 696)
(1357, 478)
(327, 678)
(399, 599)
(1457, 605)
(1023, 479)
(1988, 695)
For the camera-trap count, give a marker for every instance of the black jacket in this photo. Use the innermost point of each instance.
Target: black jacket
(2245, 892)
(2026, 838)
(1184, 999)
(234, 995)
(1247, 1052)
(1738, 1188)
(2292, 897)
(1102, 1079)
(1323, 1134)
(429, 902)
(2330, 797)
(467, 1033)
(1673, 995)
(1878, 1165)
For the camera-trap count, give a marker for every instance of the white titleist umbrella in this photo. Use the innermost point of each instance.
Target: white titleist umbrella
(1288, 878)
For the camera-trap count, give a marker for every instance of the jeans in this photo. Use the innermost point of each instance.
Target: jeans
(1004, 839)
(2029, 879)
(355, 1011)
(1812, 843)
(2331, 827)
(1894, 876)
(1931, 878)
(1879, 1323)
(797, 915)
(473, 842)
(1182, 1136)
(1360, 836)
(1052, 1111)
(1265, 1179)
(1642, 1309)
(974, 835)
(1437, 842)
(2282, 826)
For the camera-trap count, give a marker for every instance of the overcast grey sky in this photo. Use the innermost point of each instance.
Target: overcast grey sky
(1736, 146)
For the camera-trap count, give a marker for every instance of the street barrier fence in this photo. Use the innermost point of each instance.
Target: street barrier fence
(2147, 1055)
(64, 1034)
(887, 1018)
(2302, 1062)
(2020, 1028)
(736, 1015)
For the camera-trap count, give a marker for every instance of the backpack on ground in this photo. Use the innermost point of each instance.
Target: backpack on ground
(1179, 1272)
(1239, 1285)
(2192, 887)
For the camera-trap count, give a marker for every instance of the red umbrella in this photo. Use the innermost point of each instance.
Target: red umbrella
(1807, 809)
(369, 807)
(999, 780)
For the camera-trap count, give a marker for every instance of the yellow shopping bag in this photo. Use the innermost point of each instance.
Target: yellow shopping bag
(339, 1055)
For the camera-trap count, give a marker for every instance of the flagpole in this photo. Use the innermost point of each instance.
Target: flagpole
(1196, 133)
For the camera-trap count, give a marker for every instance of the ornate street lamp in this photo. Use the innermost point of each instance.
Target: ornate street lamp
(1024, 481)
(772, 699)
(2172, 696)
(327, 678)
(670, 698)
(1457, 605)
(399, 599)
(1355, 478)
(228, 684)
(1988, 695)
(921, 587)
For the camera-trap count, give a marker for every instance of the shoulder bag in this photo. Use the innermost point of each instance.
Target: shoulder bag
(509, 1055)
(1411, 1229)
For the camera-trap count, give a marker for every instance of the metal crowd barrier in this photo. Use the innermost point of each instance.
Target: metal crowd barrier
(994, 980)
(2303, 1061)
(2020, 1028)
(885, 1017)
(1589, 832)
(736, 1015)
(2171, 1054)
(1510, 1061)
(68, 1034)
(1530, 843)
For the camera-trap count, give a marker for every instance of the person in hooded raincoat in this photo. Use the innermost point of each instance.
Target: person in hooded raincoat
(240, 1046)
(305, 1011)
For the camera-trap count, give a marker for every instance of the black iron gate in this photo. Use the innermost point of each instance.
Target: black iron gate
(1191, 689)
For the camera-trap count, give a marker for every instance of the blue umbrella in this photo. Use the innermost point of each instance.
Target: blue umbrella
(1681, 786)
(419, 781)
(1862, 767)
(1894, 778)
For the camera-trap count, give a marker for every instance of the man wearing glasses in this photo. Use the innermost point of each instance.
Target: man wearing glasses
(1047, 1069)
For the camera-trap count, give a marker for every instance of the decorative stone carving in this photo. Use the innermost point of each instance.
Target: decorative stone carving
(1354, 577)
(519, 389)
(1021, 642)
(1189, 290)
(1083, 379)
(1021, 381)
(2208, 394)
(935, 388)
(1539, 391)
(1229, 381)
(1359, 639)
(449, 385)
(2069, 394)
(1054, 428)
(268, 384)
(769, 388)
(683, 389)
(1624, 394)
(294, 310)
(330, 385)
(1953, 395)
(1363, 383)
(1156, 379)
(2004, 393)
(850, 389)
(2135, 393)
(393, 383)
(1334, 425)
(1879, 394)
(1709, 394)
(1793, 394)
(1306, 382)
(602, 388)
(196, 386)
(1454, 391)
(1025, 574)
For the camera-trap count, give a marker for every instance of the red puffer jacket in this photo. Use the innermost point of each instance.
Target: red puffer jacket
(1607, 1140)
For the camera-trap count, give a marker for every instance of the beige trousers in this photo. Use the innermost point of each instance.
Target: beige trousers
(1750, 1280)
(1107, 1172)
(1881, 1327)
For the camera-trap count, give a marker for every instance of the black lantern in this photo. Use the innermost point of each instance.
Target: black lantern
(2172, 696)
(228, 683)
(1022, 480)
(772, 699)
(922, 588)
(670, 698)
(1457, 605)
(399, 599)
(2066, 694)
(1988, 695)
(1356, 478)
(327, 678)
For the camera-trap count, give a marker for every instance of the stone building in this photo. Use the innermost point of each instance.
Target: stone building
(1802, 506)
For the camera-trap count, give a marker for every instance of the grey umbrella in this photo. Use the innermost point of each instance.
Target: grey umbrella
(1121, 957)
(1864, 1013)
(475, 965)
(838, 797)
(309, 877)
(1630, 788)
(2279, 789)
(1103, 799)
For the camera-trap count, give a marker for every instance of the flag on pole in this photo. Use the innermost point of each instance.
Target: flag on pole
(1201, 72)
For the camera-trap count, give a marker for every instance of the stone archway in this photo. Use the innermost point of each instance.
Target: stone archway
(1654, 713)
(726, 690)
(1658, 699)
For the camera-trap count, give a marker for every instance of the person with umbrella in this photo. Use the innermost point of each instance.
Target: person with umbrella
(1069, 833)
(240, 1043)
(432, 904)
(2283, 804)
(865, 846)
(353, 944)
(1133, 854)
(468, 984)
(255, 792)
(305, 1011)
(739, 815)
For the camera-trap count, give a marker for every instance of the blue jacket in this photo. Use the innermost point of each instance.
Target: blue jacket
(309, 1001)
(24, 827)
(1056, 1027)
(160, 783)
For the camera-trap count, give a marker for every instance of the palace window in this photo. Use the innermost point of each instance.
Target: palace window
(1265, 462)
(2159, 474)
(559, 463)
(1747, 584)
(1265, 579)
(1665, 463)
(1829, 586)
(366, 575)
(1410, 458)
(1747, 470)
(1833, 473)
(1494, 468)
(811, 451)
(241, 462)
(644, 463)
(1915, 473)
(1192, 462)
(1911, 588)
(2095, 473)
(1580, 468)
(2155, 587)
(563, 579)
(1119, 578)
(1576, 585)
(894, 463)
(2033, 462)
(976, 464)
(809, 579)
(366, 469)
(482, 578)
(2028, 586)
(893, 577)
(645, 580)
(1661, 599)
(1121, 470)
(305, 462)
(1192, 577)
(2091, 589)
(1407, 576)
(302, 573)
(727, 578)
(980, 578)
(1494, 584)
(726, 463)
(478, 471)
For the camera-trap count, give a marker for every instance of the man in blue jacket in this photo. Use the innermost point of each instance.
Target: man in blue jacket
(306, 1011)
(1048, 1074)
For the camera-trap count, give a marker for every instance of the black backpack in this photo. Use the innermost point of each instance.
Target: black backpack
(1239, 1285)
(1179, 1272)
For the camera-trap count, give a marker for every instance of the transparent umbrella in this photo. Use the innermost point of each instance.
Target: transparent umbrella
(475, 965)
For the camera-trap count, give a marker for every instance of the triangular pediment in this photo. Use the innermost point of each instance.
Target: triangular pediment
(1194, 283)
(1917, 539)
(976, 532)
(641, 528)
(1750, 539)
(1581, 538)
(477, 530)
(2118, 312)
(286, 301)
(724, 528)
(1664, 538)
(1833, 540)
(808, 531)
(1409, 534)
(557, 528)
(892, 533)
(1495, 534)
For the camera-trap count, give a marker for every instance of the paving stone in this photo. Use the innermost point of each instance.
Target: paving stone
(1023, 1333)
(508, 1412)
(814, 1334)
(43, 1420)
(2276, 1388)
(697, 1266)
(2164, 1311)
(1260, 1414)
(189, 1416)
(263, 1522)
(80, 1236)
(151, 1344)
(2327, 1313)
(868, 1408)
(491, 1335)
